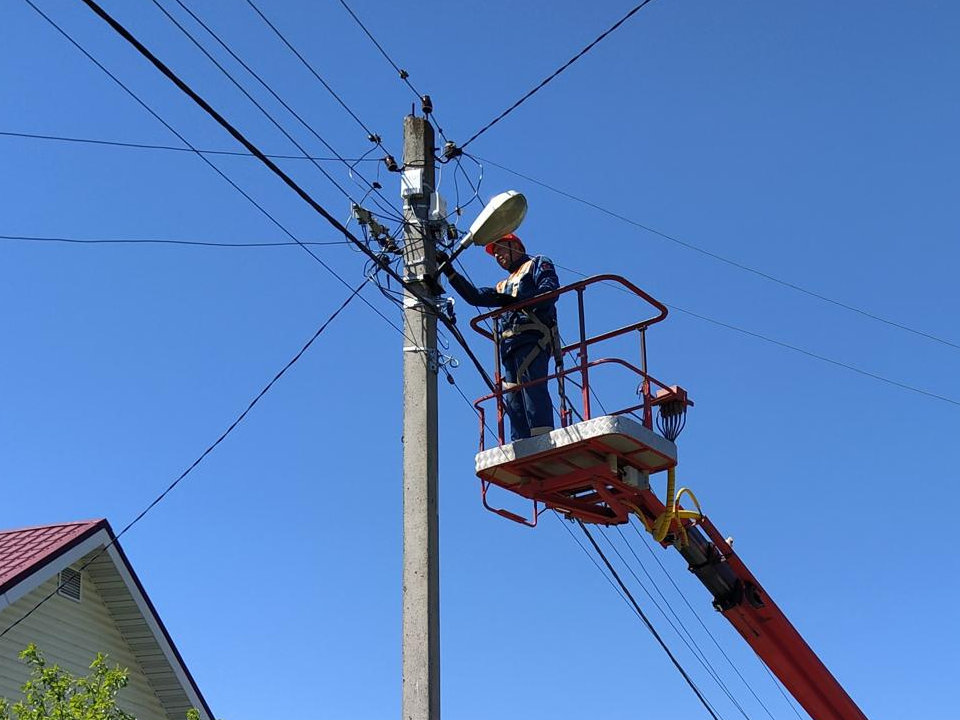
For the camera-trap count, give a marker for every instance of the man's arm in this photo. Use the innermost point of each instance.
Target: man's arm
(478, 297)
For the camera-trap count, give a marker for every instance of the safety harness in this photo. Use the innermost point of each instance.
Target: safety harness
(549, 334)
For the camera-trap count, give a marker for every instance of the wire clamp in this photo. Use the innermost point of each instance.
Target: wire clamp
(430, 353)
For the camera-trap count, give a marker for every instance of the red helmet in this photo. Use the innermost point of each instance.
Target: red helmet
(506, 238)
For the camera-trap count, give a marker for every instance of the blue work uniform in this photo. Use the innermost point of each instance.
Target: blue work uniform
(526, 339)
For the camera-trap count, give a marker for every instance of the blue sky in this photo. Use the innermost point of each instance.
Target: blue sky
(815, 142)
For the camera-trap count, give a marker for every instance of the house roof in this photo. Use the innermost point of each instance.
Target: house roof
(30, 556)
(25, 550)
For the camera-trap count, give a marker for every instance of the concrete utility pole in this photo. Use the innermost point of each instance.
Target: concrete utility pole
(421, 561)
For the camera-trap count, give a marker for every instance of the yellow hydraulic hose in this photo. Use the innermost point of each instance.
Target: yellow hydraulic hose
(643, 518)
(672, 511)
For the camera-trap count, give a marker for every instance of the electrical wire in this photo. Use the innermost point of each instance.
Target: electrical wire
(201, 153)
(152, 241)
(776, 681)
(691, 644)
(273, 167)
(816, 356)
(250, 97)
(726, 260)
(388, 211)
(593, 560)
(350, 238)
(403, 74)
(691, 609)
(646, 621)
(210, 448)
(555, 73)
(372, 136)
(256, 153)
(206, 160)
(474, 188)
(148, 146)
(794, 348)
(219, 172)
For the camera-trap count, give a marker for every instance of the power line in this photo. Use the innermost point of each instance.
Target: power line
(210, 448)
(702, 317)
(155, 241)
(728, 261)
(695, 614)
(273, 167)
(404, 75)
(372, 136)
(242, 89)
(556, 72)
(795, 348)
(206, 160)
(593, 560)
(148, 146)
(816, 356)
(646, 621)
(691, 644)
(351, 168)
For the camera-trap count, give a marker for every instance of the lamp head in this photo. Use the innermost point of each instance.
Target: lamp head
(501, 216)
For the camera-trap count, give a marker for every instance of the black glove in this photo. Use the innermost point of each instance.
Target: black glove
(443, 262)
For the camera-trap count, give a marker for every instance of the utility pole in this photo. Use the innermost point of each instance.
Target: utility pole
(421, 561)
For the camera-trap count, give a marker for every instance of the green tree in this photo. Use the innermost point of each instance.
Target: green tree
(52, 693)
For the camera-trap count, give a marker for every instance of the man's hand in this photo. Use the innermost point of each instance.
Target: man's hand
(443, 262)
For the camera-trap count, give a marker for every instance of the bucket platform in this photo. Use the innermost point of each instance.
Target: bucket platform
(594, 469)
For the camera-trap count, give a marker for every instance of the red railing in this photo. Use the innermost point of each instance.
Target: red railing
(580, 351)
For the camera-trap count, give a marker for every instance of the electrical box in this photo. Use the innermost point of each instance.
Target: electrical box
(438, 207)
(411, 182)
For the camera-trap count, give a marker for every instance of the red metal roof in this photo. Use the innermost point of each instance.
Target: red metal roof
(21, 551)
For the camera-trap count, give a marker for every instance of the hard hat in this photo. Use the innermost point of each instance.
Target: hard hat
(506, 238)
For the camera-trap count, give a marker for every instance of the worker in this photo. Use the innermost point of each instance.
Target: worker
(527, 336)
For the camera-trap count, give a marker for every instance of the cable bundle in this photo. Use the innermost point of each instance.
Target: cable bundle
(672, 419)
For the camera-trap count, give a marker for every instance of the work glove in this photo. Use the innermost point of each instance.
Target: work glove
(443, 262)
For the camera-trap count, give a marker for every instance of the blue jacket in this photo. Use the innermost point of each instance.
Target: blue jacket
(529, 276)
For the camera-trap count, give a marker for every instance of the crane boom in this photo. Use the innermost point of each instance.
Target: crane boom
(740, 597)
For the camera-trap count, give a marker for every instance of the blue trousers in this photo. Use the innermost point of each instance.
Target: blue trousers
(530, 408)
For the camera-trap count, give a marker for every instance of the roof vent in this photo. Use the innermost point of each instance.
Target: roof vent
(70, 584)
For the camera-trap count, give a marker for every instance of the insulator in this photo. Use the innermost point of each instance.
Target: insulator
(391, 163)
(450, 150)
(426, 104)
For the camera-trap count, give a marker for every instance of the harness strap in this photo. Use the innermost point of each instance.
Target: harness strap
(547, 332)
(519, 329)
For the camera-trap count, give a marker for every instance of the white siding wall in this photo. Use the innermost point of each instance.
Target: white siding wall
(70, 634)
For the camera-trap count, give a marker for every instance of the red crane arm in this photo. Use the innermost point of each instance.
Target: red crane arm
(750, 609)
